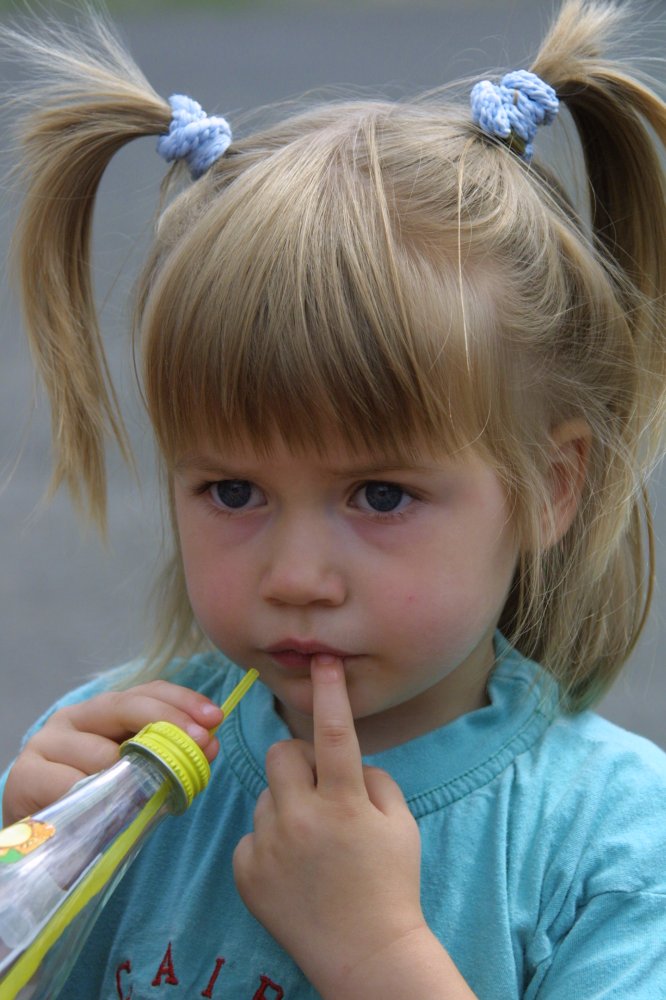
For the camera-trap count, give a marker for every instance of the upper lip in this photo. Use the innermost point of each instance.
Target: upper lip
(306, 648)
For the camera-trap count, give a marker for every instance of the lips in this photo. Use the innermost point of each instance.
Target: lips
(296, 654)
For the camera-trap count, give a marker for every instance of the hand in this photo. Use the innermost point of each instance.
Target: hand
(332, 868)
(83, 739)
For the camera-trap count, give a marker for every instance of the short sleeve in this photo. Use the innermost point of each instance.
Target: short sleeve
(615, 949)
(601, 929)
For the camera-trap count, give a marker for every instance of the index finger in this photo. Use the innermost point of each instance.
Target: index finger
(337, 751)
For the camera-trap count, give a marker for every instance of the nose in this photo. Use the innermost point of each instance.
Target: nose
(303, 565)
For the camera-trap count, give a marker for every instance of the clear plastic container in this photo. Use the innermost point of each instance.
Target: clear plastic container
(58, 867)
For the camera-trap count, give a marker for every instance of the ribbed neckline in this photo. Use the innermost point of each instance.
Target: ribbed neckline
(432, 770)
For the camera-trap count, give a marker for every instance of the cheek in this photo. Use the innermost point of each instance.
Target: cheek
(214, 586)
(418, 611)
(448, 592)
(221, 612)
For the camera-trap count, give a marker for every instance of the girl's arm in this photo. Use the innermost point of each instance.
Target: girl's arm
(84, 738)
(332, 868)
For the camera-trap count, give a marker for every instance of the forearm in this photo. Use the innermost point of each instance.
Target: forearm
(416, 966)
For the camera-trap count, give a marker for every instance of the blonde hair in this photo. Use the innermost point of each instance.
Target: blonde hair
(389, 272)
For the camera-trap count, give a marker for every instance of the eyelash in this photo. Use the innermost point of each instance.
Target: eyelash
(388, 515)
(204, 488)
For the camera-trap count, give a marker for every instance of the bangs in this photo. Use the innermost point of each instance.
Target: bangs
(309, 313)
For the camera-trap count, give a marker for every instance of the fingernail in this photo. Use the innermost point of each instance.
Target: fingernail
(328, 667)
(198, 733)
(211, 712)
(327, 659)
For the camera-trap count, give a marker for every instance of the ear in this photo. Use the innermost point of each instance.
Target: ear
(570, 444)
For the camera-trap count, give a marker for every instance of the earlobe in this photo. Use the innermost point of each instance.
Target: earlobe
(570, 444)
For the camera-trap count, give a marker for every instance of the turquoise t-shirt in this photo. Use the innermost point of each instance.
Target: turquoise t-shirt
(543, 872)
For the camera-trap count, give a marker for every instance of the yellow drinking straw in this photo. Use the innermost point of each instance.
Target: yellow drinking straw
(241, 688)
(101, 872)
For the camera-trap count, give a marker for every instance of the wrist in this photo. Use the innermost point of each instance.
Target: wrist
(414, 964)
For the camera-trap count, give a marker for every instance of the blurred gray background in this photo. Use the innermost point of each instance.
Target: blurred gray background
(68, 606)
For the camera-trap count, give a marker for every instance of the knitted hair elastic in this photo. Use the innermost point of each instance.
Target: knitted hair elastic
(193, 136)
(513, 109)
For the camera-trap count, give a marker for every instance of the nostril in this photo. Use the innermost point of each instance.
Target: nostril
(301, 588)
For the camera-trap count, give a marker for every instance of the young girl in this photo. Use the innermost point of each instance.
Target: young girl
(406, 400)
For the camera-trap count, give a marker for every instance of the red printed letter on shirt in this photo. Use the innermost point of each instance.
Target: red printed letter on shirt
(166, 969)
(268, 984)
(125, 967)
(208, 992)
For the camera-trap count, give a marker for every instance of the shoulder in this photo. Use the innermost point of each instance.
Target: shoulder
(580, 753)
(590, 750)
(600, 806)
(588, 798)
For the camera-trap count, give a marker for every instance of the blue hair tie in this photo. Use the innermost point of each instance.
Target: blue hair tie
(193, 136)
(513, 109)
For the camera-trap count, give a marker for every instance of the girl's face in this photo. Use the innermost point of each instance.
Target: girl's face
(400, 570)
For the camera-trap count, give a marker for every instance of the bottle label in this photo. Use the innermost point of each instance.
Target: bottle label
(23, 838)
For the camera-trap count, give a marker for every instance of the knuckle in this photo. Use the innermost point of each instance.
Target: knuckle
(158, 688)
(242, 862)
(378, 776)
(334, 734)
(277, 752)
(110, 701)
(40, 744)
(62, 717)
(263, 801)
(103, 754)
(264, 796)
(302, 826)
(15, 774)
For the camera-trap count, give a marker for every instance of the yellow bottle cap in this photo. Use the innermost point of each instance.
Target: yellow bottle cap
(171, 745)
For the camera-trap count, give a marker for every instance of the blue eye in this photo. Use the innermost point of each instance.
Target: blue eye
(233, 494)
(384, 498)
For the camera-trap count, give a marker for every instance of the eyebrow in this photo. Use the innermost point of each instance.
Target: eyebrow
(203, 462)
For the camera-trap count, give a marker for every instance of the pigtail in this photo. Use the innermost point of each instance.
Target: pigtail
(613, 112)
(89, 101)
(588, 631)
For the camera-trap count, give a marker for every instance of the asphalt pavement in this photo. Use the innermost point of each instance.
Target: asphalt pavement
(70, 607)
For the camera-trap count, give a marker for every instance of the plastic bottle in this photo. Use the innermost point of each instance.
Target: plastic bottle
(58, 867)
